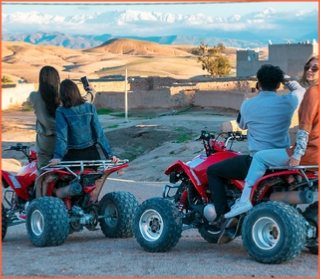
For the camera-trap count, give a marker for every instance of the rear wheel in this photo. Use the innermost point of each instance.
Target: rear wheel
(273, 232)
(47, 222)
(5, 221)
(311, 215)
(118, 210)
(210, 234)
(158, 225)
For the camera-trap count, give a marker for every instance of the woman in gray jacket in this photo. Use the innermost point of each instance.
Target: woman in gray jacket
(45, 101)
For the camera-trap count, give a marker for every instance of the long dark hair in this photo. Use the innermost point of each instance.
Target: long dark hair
(70, 95)
(49, 81)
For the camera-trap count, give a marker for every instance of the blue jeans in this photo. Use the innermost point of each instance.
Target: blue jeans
(264, 159)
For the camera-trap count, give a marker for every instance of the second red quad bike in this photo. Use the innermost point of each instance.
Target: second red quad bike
(65, 199)
(282, 222)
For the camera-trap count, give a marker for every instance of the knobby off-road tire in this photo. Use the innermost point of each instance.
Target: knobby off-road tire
(47, 222)
(5, 222)
(157, 225)
(311, 215)
(210, 235)
(118, 209)
(274, 232)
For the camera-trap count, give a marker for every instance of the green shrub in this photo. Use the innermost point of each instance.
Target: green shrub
(6, 80)
(113, 126)
(104, 111)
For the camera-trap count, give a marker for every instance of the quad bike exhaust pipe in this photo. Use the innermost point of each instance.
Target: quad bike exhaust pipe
(293, 197)
(74, 188)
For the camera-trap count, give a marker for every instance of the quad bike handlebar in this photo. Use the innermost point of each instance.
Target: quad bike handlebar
(18, 147)
(207, 137)
(230, 136)
(25, 149)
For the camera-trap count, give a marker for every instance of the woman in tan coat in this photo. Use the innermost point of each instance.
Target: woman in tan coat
(305, 150)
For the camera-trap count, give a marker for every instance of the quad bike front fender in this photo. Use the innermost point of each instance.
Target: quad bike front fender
(15, 183)
(181, 167)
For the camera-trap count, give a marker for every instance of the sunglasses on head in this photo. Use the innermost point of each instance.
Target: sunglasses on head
(314, 68)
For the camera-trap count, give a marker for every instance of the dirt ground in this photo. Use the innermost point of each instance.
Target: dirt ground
(152, 141)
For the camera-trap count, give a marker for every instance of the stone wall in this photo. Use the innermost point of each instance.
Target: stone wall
(152, 92)
(161, 98)
(136, 99)
(16, 95)
(221, 99)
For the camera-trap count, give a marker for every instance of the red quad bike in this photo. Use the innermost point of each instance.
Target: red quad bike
(64, 199)
(275, 230)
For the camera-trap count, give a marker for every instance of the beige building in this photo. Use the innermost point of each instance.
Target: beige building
(289, 57)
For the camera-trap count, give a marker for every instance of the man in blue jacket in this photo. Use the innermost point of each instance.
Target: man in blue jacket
(267, 117)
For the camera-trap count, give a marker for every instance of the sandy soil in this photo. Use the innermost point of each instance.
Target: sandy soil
(23, 60)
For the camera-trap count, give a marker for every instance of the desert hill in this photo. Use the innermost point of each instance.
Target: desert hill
(140, 58)
(138, 47)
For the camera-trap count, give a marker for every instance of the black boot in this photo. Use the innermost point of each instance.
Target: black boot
(227, 225)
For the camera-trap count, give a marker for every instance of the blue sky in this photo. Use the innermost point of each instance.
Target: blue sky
(220, 8)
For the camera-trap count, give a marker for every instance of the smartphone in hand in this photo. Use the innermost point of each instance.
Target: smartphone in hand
(85, 82)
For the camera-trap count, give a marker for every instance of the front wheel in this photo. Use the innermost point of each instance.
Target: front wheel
(117, 210)
(273, 232)
(157, 225)
(5, 221)
(311, 215)
(47, 222)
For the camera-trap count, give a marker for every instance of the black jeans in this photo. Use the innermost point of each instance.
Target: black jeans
(86, 154)
(233, 168)
(89, 153)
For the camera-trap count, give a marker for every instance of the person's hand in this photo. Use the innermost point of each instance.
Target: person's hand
(114, 159)
(286, 80)
(54, 162)
(292, 162)
(90, 87)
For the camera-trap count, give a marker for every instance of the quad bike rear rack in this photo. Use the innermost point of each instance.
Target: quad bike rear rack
(302, 170)
(76, 169)
(102, 165)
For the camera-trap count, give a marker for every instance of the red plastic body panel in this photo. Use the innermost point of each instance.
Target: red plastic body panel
(23, 180)
(197, 167)
(278, 173)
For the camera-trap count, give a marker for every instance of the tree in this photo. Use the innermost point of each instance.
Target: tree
(6, 80)
(213, 60)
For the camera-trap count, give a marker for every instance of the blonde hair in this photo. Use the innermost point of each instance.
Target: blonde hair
(303, 81)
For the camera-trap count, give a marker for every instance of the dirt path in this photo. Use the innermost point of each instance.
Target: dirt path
(91, 254)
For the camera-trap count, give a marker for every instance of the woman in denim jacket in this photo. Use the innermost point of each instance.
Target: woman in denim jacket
(78, 128)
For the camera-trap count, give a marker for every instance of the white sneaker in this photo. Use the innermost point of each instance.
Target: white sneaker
(238, 209)
(235, 203)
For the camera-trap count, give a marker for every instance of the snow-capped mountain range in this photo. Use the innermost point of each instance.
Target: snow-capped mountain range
(250, 30)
